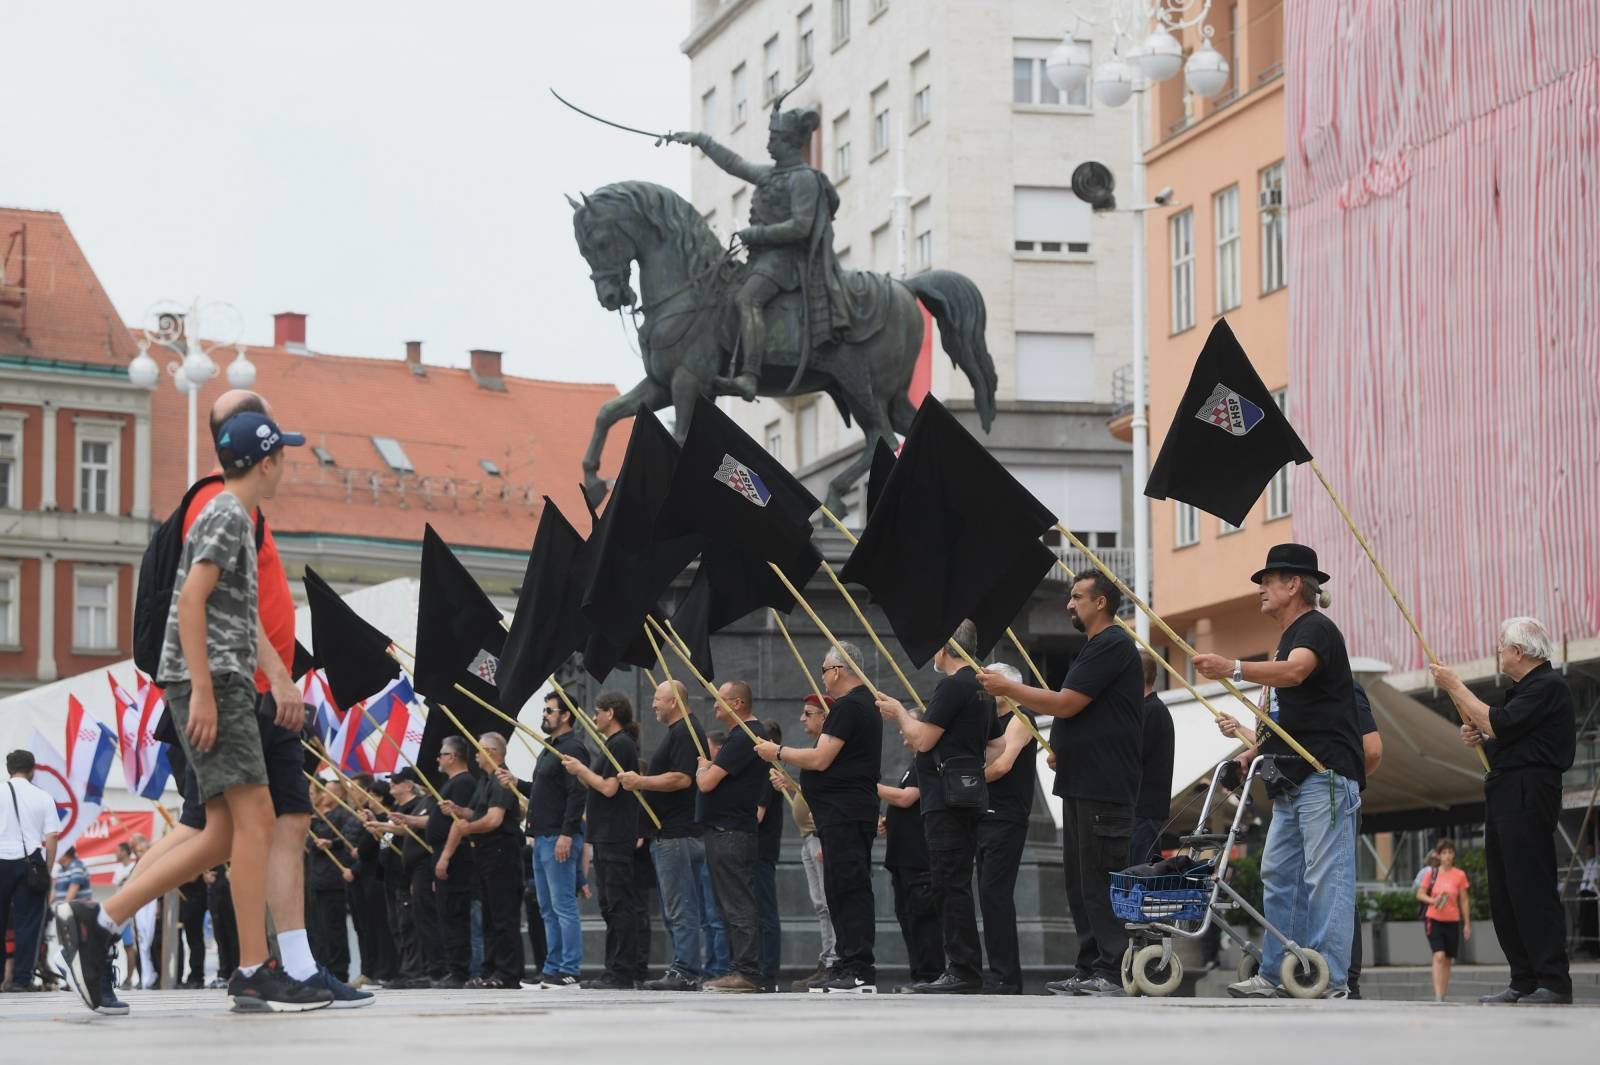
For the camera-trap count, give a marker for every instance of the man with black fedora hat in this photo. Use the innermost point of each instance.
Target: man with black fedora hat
(1308, 867)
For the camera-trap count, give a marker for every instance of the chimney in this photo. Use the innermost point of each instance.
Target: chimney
(486, 370)
(289, 332)
(414, 357)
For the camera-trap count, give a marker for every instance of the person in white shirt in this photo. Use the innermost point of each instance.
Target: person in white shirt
(29, 825)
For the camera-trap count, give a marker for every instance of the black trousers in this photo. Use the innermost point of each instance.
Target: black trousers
(192, 916)
(731, 860)
(952, 837)
(497, 871)
(1520, 810)
(644, 882)
(847, 883)
(1000, 846)
(325, 927)
(1353, 970)
(536, 941)
(224, 926)
(425, 915)
(916, 907)
(1095, 844)
(453, 903)
(403, 930)
(618, 895)
(361, 920)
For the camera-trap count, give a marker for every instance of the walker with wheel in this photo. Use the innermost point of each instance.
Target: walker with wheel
(1160, 909)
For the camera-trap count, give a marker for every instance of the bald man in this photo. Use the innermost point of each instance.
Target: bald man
(494, 830)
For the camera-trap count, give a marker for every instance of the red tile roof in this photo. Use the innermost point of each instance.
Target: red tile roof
(534, 431)
(51, 303)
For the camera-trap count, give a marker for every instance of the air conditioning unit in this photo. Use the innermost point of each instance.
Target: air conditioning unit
(1270, 200)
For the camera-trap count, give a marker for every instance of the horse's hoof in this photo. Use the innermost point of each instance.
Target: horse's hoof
(594, 490)
(835, 503)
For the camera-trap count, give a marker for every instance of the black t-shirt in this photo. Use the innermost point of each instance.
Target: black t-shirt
(732, 803)
(848, 789)
(411, 852)
(490, 794)
(614, 820)
(1097, 751)
(459, 790)
(676, 754)
(1320, 711)
(769, 836)
(1536, 727)
(321, 873)
(1155, 759)
(905, 846)
(960, 707)
(1011, 796)
(556, 797)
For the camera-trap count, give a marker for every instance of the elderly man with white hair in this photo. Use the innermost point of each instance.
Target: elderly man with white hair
(1530, 740)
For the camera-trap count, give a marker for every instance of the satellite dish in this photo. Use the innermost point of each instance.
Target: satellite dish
(1093, 184)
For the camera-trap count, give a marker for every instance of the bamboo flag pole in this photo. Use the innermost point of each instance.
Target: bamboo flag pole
(822, 703)
(522, 800)
(496, 711)
(166, 815)
(873, 636)
(347, 782)
(601, 740)
(855, 667)
(1383, 575)
(383, 734)
(1260, 714)
(676, 693)
(328, 851)
(330, 824)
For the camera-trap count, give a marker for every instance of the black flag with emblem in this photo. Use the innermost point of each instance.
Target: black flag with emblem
(1228, 437)
(548, 627)
(351, 651)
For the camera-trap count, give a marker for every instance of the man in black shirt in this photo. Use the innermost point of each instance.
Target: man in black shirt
(1096, 740)
(769, 839)
(1530, 740)
(949, 748)
(491, 826)
(730, 789)
(330, 846)
(416, 918)
(1011, 770)
(917, 906)
(1155, 773)
(452, 881)
(613, 832)
(839, 779)
(1308, 866)
(677, 850)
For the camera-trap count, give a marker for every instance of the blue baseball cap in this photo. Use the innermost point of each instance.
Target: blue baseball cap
(247, 438)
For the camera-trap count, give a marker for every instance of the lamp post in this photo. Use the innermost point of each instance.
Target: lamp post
(179, 332)
(1137, 58)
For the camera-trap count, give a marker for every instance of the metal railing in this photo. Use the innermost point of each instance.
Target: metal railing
(1122, 390)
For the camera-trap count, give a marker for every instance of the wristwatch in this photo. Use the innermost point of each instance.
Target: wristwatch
(1238, 671)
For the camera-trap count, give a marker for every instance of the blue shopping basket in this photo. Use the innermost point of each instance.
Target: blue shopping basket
(1182, 897)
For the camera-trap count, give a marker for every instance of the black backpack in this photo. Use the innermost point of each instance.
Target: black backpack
(157, 571)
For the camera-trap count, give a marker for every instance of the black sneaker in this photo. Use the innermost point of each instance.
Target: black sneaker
(557, 982)
(1069, 986)
(84, 948)
(449, 983)
(110, 1004)
(948, 984)
(850, 984)
(271, 990)
(605, 982)
(673, 980)
(345, 997)
(1098, 987)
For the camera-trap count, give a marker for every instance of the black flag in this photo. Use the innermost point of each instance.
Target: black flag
(548, 626)
(459, 640)
(1228, 437)
(878, 475)
(353, 653)
(953, 536)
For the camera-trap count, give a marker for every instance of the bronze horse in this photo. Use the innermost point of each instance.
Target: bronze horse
(683, 308)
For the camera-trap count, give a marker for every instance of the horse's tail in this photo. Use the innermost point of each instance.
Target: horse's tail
(957, 306)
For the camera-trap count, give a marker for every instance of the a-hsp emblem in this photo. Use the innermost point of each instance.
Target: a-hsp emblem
(742, 479)
(1229, 411)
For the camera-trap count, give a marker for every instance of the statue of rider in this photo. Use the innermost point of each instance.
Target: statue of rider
(790, 242)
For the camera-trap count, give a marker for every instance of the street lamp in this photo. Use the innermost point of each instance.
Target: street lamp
(1143, 46)
(179, 332)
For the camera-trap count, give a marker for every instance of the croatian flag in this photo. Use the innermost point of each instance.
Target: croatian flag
(325, 714)
(154, 767)
(346, 745)
(402, 738)
(127, 732)
(91, 747)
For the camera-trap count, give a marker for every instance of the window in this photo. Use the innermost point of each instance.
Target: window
(805, 42)
(774, 439)
(391, 452)
(98, 465)
(489, 467)
(841, 147)
(883, 251)
(880, 120)
(806, 442)
(10, 582)
(1225, 213)
(1030, 85)
(1185, 524)
(770, 72)
(323, 456)
(1226, 527)
(1055, 367)
(741, 93)
(10, 467)
(922, 236)
(708, 111)
(1278, 487)
(1051, 220)
(841, 22)
(1272, 228)
(94, 597)
(739, 214)
(1180, 238)
(921, 92)
(1087, 498)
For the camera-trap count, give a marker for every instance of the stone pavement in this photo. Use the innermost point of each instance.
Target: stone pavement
(704, 1029)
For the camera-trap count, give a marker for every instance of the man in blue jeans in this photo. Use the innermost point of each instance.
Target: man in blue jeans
(1308, 868)
(555, 824)
(677, 849)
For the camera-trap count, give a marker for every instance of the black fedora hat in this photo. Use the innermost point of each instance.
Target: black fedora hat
(1290, 558)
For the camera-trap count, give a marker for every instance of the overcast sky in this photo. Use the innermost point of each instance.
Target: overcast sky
(393, 170)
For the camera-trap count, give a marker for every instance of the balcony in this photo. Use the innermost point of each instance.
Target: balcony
(1120, 423)
(1119, 559)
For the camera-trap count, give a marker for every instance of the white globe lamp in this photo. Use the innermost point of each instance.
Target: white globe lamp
(1069, 64)
(1113, 82)
(1160, 56)
(241, 371)
(1206, 72)
(144, 371)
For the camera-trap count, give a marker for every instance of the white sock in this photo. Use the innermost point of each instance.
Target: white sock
(247, 971)
(104, 920)
(296, 952)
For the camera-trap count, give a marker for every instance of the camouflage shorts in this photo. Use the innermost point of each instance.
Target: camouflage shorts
(235, 758)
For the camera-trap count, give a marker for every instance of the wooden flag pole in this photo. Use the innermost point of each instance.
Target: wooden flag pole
(520, 727)
(522, 800)
(873, 636)
(1256, 711)
(328, 853)
(822, 703)
(347, 782)
(676, 693)
(1383, 575)
(324, 817)
(832, 639)
(399, 748)
(601, 740)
